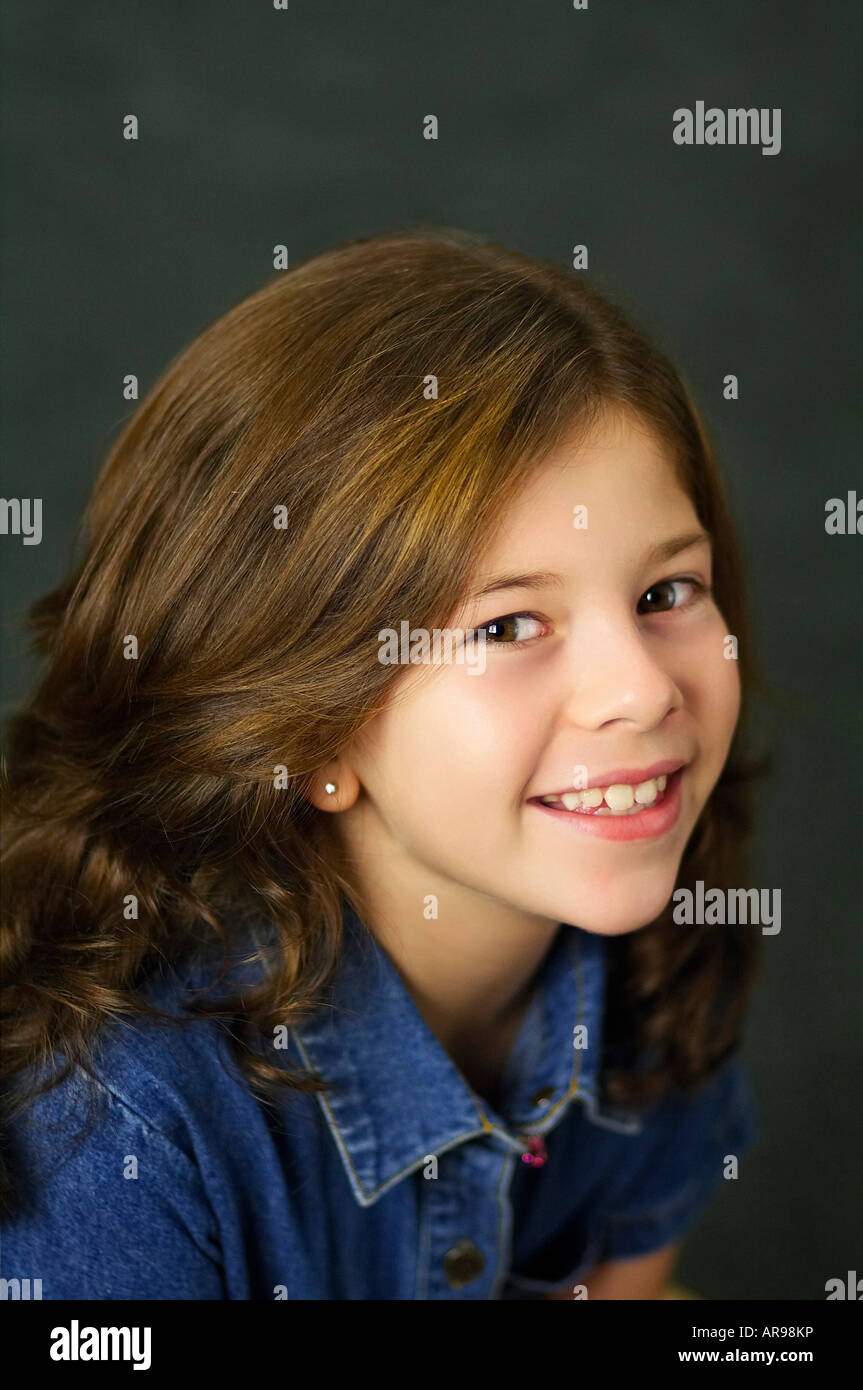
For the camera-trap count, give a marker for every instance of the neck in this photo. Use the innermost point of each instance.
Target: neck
(470, 969)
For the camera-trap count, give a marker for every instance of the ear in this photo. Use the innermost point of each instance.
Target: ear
(334, 787)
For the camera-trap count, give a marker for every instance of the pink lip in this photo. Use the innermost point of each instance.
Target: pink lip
(647, 825)
(630, 775)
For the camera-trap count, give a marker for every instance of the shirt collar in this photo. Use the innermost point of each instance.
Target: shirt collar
(397, 1097)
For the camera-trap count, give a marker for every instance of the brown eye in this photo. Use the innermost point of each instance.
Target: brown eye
(502, 629)
(512, 630)
(660, 598)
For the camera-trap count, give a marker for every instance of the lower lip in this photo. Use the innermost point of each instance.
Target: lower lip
(646, 825)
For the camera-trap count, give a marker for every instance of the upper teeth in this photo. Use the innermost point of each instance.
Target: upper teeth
(620, 797)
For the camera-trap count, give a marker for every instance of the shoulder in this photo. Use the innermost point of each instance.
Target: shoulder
(722, 1107)
(124, 1184)
(177, 1074)
(172, 1078)
(688, 1146)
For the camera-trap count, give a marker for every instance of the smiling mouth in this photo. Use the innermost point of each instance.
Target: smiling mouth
(619, 799)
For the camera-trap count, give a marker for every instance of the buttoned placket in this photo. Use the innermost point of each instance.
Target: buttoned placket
(464, 1208)
(452, 1264)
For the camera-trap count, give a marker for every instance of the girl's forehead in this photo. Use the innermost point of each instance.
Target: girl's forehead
(618, 446)
(613, 486)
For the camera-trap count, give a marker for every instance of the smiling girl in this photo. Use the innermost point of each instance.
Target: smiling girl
(326, 978)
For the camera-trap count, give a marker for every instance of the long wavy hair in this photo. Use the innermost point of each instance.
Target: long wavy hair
(287, 486)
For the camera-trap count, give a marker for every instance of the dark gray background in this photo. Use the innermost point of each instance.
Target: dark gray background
(260, 127)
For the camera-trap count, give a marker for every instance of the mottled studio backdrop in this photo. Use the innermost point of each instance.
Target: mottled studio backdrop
(304, 126)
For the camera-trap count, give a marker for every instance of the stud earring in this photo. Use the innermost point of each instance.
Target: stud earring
(329, 788)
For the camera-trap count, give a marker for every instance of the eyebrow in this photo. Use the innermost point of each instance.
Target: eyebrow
(549, 579)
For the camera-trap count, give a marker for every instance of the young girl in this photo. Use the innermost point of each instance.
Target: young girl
(338, 974)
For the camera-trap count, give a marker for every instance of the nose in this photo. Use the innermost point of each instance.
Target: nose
(616, 673)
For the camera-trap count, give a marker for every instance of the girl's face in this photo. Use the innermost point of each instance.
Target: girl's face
(604, 665)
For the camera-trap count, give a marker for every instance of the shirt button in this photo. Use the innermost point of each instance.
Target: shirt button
(463, 1263)
(542, 1097)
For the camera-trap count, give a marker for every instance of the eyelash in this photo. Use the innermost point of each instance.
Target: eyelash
(701, 591)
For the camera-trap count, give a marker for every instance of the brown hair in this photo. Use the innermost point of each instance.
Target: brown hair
(257, 642)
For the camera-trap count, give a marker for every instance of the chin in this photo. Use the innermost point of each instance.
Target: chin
(613, 913)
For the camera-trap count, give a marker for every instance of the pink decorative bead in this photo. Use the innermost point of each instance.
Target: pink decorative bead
(535, 1154)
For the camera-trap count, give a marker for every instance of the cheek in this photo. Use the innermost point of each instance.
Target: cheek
(462, 742)
(714, 696)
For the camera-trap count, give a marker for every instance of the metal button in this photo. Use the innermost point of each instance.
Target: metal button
(463, 1263)
(542, 1097)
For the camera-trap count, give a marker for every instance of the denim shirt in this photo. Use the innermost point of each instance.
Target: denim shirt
(401, 1183)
